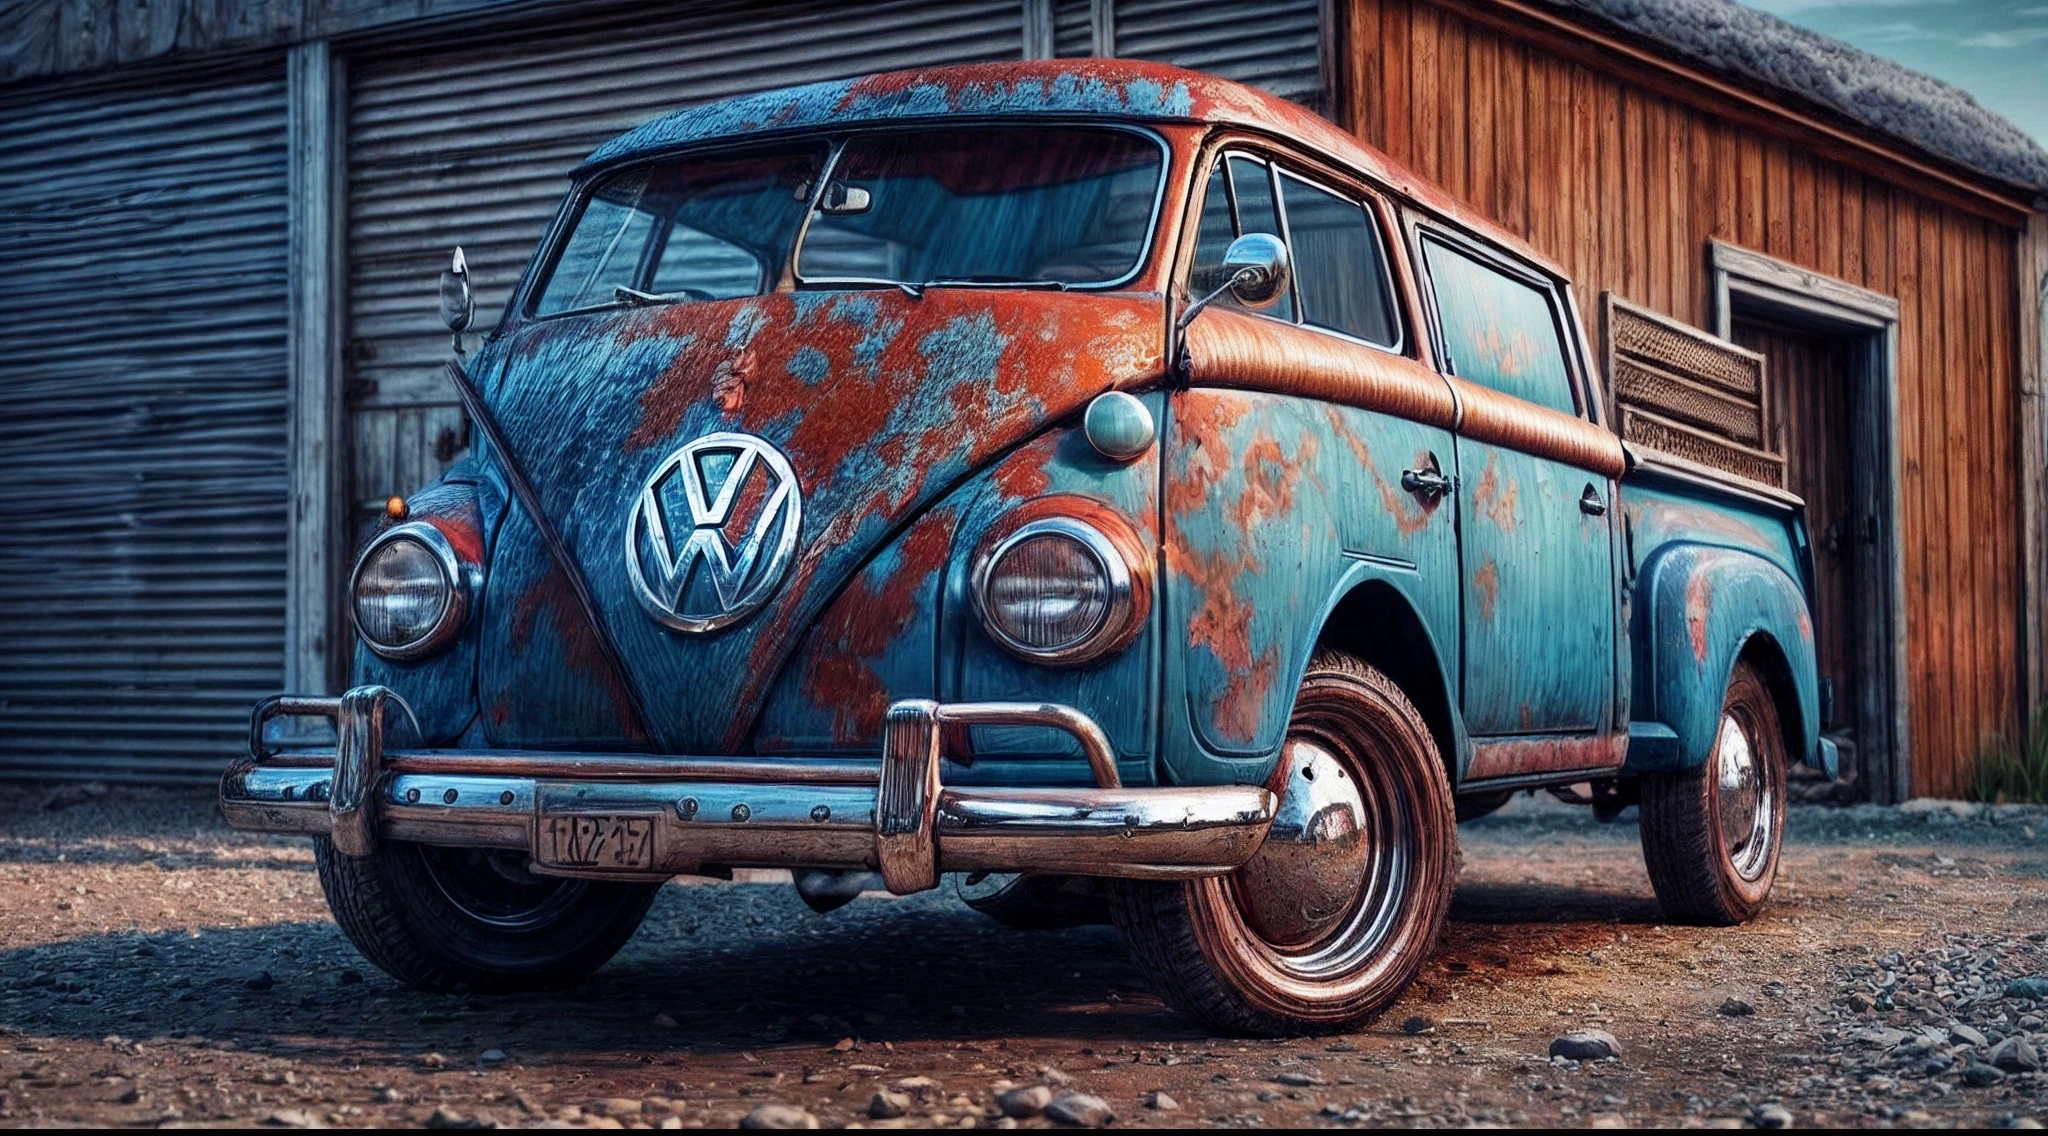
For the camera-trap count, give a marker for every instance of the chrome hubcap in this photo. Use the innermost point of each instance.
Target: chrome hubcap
(1305, 878)
(1743, 799)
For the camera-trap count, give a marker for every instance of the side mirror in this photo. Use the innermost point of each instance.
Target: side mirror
(458, 302)
(1258, 270)
(1256, 273)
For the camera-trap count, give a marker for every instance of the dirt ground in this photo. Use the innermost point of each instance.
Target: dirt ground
(157, 968)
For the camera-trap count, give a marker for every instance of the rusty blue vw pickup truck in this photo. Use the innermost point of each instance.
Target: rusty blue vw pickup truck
(1101, 484)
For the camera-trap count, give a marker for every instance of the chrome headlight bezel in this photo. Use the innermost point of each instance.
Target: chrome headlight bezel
(1121, 618)
(455, 583)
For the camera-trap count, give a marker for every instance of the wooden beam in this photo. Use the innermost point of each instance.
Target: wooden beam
(316, 544)
(1535, 22)
(2031, 300)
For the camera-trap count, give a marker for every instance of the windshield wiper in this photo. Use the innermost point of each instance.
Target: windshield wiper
(983, 280)
(638, 299)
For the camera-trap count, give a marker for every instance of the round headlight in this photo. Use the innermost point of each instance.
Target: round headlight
(407, 594)
(1056, 590)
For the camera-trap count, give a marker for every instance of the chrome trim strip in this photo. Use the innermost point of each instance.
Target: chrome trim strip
(1094, 743)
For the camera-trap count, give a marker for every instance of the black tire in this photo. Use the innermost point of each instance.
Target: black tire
(1035, 903)
(1197, 941)
(1708, 864)
(454, 919)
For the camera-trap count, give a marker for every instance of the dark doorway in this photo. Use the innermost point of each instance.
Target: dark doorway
(1808, 380)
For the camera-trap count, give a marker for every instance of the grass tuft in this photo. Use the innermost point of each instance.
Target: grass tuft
(2009, 775)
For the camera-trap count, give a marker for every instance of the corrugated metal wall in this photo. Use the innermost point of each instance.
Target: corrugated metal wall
(1271, 44)
(142, 441)
(472, 145)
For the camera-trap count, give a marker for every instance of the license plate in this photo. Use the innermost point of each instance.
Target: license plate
(616, 843)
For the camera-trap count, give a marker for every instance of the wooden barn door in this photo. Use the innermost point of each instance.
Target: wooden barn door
(1808, 379)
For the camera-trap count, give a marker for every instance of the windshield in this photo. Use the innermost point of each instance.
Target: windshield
(709, 228)
(1016, 204)
(1035, 205)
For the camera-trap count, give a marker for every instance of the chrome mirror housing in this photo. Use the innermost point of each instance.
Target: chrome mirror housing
(1256, 273)
(458, 302)
(1258, 270)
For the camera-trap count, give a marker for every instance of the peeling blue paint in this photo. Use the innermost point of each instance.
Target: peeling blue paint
(810, 365)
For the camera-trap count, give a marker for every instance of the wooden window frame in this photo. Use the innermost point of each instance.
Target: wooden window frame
(1750, 283)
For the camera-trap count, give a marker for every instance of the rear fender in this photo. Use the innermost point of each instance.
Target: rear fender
(1702, 609)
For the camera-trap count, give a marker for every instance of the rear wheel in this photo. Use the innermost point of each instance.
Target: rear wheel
(465, 918)
(1334, 915)
(1711, 835)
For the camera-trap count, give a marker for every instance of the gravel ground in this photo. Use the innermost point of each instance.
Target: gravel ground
(159, 968)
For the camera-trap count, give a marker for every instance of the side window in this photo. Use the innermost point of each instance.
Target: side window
(1217, 229)
(1340, 269)
(1499, 331)
(1341, 281)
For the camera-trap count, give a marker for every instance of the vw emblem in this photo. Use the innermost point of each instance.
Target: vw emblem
(713, 531)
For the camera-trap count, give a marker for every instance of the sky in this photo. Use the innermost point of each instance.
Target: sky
(1995, 49)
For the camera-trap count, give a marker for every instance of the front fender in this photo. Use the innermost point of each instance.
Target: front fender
(441, 688)
(1701, 608)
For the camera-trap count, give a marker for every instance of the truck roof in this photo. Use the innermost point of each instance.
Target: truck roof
(1112, 89)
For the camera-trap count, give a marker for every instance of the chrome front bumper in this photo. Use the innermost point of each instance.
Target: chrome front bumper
(659, 816)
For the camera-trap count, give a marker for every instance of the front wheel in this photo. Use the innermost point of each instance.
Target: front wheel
(450, 919)
(1334, 915)
(1711, 835)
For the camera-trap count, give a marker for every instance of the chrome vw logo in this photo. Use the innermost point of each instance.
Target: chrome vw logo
(713, 531)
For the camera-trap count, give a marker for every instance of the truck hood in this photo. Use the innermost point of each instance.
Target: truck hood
(879, 402)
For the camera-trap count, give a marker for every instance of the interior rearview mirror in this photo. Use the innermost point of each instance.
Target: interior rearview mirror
(843, 200)
(458, 302)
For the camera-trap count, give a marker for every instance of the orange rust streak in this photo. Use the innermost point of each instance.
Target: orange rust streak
(1699, 601)
(1023, 474)
(1231, 349)
(1200, 421)
(1243, 702)
(1490, 416)
(1410, 516)
(1269, 481)
(1487, 580)
(1547, 755)
(860, 626)
(462, 535)
(1223, 625)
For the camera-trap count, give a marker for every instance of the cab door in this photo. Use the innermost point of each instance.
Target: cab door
(1535, 490)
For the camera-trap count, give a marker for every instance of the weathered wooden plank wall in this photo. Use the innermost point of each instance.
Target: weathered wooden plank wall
(1624, 186)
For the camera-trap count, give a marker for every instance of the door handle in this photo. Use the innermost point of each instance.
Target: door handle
(1430, 483)
(1590, 502)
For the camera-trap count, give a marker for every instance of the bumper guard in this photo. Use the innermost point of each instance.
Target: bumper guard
(621, 816)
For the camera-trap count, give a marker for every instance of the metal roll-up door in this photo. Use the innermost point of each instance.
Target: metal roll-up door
(471, 144)
(1274, 45)
(143, 465)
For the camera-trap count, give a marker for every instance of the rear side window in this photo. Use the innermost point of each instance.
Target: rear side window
(1341, 281)
(1499, 331)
